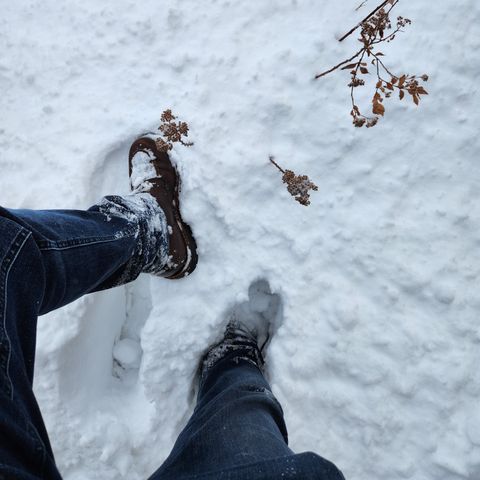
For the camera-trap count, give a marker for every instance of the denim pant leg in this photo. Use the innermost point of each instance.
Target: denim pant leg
(237, 432)
(103, 247)
(48, 259)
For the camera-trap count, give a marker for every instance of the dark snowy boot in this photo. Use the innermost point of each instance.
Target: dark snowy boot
(152, 171)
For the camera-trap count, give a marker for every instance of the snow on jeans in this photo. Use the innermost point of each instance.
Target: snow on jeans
(50, 258)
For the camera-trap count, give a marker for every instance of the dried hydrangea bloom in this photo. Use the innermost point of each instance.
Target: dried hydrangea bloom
(298, 186)
(172, 132)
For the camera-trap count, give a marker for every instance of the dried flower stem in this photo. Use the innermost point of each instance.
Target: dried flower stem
(364, 20)
(339, 65)
(373, 29)
(172, 131)
(276, 164)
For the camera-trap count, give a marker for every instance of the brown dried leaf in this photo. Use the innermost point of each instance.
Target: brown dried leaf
(378, 109)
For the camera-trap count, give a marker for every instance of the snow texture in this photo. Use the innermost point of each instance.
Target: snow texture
(376, 361)
(254, 320)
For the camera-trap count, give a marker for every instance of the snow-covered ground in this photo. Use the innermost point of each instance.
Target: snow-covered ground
(376, 361)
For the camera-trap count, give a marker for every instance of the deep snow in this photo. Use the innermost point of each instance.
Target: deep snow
(376, 360)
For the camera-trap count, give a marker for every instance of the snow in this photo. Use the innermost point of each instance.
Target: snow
(142, 169)
(376, 359)
(127, 353)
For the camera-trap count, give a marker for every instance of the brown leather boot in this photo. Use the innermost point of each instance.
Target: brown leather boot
(153, 172)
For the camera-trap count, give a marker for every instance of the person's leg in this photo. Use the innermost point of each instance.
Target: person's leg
(237, 430)
(237, 421)
(113, 242)
(25, 451)
(84, 251)
(50, 258)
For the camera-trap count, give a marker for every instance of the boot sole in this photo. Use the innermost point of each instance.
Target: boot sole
(187, 235)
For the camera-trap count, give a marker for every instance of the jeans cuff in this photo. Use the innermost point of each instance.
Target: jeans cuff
(148, 224)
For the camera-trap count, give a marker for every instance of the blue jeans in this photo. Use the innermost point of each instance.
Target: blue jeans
(50, 258)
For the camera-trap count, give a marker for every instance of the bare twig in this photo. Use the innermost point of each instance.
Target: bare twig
(339, 65)
(276, 164)
(361, 5)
